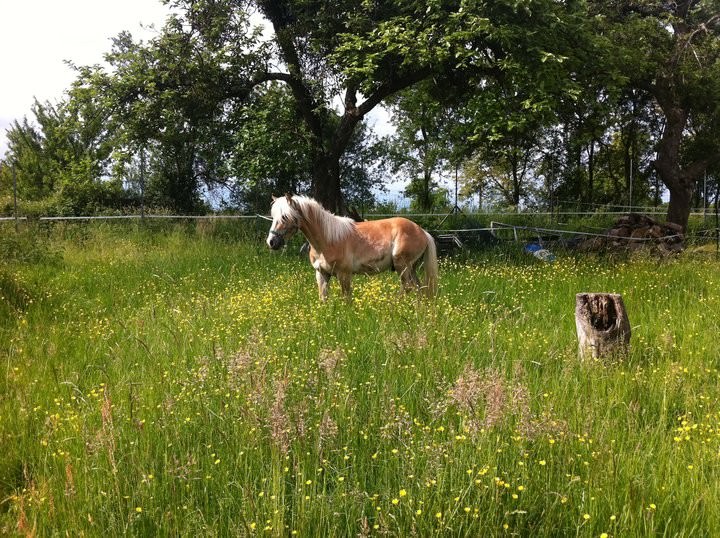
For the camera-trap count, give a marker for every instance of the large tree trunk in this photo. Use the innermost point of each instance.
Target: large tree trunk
(425, 202)
(677, 95)
(330, 141)
(680, 201)
(326, 183)
(680, 180)
(667, 163)
(515, 176)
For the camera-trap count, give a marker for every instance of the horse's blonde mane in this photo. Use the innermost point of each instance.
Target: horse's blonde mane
(332, 227)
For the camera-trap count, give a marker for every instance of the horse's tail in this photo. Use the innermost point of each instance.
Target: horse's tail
(431, 267)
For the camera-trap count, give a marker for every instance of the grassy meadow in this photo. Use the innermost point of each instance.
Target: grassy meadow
(187, 382)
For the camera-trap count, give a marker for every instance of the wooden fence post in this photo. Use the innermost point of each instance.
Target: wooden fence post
(603, 327)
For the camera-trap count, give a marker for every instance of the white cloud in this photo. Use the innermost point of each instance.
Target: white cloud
(38, 36)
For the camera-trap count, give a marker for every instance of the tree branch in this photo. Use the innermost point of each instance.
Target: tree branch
(354, 114)
(241, 90)
(276, 13)
(386, 89)
(351, 99)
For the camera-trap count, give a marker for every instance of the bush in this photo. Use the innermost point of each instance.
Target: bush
(25, 246)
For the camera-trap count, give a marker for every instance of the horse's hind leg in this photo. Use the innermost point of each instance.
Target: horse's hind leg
(322, 279)
(408, 277)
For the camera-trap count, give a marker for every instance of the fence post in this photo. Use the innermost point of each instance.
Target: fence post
(704, 197)
(142, 185)
(717, 220)
(15, 211)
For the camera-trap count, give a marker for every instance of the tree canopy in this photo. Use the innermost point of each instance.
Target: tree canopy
(539, 103)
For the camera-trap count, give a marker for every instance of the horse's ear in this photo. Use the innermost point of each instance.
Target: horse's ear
(290, 201)
(273, 197)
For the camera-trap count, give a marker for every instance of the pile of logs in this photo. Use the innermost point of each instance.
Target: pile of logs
(634, 232)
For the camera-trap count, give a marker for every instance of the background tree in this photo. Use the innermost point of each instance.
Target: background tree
(671, 51)
(501, 112)
(61, 157)
(553, 104)
(419, 148)
(208, 61)
(155, 99)
(270, 154)
(473, 182)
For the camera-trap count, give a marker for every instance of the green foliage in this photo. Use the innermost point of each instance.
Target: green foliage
(671, 53)
(419, 150)
(552, 104)
(271, 150)
(61, 158)
(29, 245)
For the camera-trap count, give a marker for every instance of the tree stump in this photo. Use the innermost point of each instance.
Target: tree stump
(603, 327)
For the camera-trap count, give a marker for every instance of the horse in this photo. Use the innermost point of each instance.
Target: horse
(341, 247)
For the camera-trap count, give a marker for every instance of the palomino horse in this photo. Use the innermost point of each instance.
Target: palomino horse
(341, 247)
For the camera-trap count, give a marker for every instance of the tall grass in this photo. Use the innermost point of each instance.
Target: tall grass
(177, 382)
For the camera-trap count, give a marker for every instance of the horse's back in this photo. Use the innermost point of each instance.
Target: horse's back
(399, 237)
(393, 226)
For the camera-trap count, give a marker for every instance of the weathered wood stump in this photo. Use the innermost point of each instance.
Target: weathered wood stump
(603, 327)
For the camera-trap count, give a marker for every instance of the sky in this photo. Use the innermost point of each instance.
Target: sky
(38, 36)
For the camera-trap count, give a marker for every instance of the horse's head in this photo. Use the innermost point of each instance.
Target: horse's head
(285, 221)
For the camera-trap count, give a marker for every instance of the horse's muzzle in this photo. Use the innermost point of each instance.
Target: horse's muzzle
(276, 242)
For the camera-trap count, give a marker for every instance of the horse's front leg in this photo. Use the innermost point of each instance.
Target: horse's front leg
(322, 279)
(346, 284)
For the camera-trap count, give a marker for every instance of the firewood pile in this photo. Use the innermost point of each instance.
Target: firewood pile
(635, 232)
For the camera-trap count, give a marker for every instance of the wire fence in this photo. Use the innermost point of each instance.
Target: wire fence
(401, 203)
(461, 222)
(463, 232)
(369, 214)
(458, 214)
(149, 217)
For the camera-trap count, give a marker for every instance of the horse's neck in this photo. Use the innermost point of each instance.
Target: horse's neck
(314, 230)
(314, 233)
